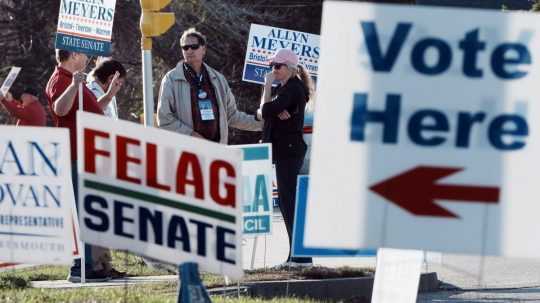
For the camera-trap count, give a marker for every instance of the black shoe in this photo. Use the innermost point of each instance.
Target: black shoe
(299, 260)
(91, 276)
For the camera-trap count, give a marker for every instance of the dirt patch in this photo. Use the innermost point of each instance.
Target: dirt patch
(311, 273)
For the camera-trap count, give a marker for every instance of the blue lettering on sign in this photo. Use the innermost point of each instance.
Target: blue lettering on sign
(181, 233)
(87, 10)
(431, 127)
(41, 160)
(256, 73)
(503, 57)
(178, 231)
(280, 38)
(89, 46)
(31, 195)
(259, 201)
(149, 219)
(256, 224)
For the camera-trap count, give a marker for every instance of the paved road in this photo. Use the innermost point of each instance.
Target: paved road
(484, 296)
(468, 278)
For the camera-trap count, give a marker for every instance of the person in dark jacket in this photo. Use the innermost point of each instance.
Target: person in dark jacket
(283, 114)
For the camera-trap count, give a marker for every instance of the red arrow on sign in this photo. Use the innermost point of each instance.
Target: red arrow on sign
(416, 190)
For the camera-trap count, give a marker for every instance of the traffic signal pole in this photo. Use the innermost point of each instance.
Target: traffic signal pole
(152, 24)
(148, 87)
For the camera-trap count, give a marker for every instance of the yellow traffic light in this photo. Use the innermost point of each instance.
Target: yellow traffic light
(154, 5)
(154, 23)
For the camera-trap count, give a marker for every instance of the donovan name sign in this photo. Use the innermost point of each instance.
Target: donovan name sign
(160, 194)
(432, 144)
(36, 196)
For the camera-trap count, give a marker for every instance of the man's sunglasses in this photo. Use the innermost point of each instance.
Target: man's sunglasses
(192, 46)
(276, 65)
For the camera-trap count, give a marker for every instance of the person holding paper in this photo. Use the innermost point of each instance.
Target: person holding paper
(196, 100)
(25, 107)
(62, 92)
(283, 114)
(105, 80)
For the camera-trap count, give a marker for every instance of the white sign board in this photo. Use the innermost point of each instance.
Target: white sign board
(167, 196)
(431, 143)
(264, 41)
(8, 82)
(36, 196)
(397, 276)
(85, 26)
(257, 184)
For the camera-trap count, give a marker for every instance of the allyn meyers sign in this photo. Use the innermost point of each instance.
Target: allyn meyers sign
(264, 41)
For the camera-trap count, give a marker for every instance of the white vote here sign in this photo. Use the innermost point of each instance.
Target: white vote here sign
(425, 132)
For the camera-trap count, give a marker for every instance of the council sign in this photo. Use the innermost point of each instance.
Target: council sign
(425, 131)
(257, 184)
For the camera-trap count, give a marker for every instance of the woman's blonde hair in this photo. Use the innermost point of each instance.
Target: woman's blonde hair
(301, 72)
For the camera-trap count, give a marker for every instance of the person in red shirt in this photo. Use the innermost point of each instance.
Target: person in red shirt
(25, 107)
(62, 92)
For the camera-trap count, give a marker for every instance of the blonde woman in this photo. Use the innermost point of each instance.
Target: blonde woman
(283, 114)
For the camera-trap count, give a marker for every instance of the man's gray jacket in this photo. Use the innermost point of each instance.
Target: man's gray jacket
(174, 105)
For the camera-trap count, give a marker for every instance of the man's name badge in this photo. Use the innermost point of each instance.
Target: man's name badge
(202, 94)
(207, 113)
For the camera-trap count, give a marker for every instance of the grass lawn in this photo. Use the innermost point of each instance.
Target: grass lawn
(15, 285)
(152, 293)
(148, 293)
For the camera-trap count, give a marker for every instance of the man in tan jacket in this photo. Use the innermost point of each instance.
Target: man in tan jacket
(196, 100)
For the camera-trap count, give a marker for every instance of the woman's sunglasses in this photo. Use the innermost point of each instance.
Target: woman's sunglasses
(276, 65)
(192, 46)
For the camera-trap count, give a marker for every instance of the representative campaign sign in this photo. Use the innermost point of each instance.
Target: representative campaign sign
(85, 26)
(159, 194)
(36, 196)
(257, 183)
(425, 131)
(264, 41)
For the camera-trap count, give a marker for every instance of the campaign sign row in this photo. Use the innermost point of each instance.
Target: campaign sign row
(158, 194)
(423, 139)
